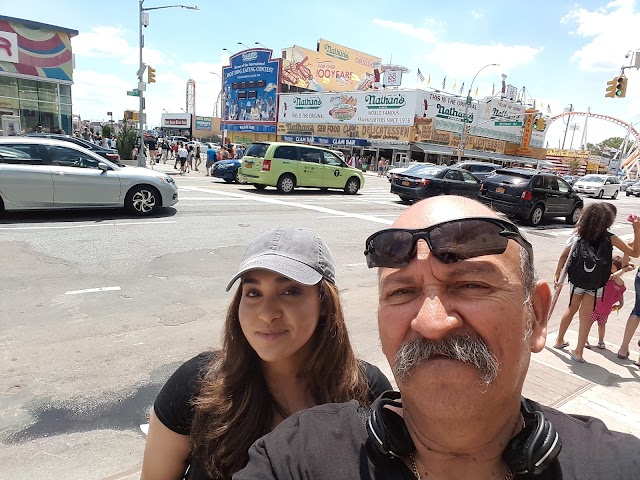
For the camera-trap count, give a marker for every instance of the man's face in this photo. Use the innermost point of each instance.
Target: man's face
(481, 299)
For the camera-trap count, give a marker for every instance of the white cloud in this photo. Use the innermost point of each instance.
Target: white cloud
(476, 15)
(612, 31)
(423, 34)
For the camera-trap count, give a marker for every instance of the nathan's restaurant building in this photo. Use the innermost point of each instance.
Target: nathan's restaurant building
(377, 123)
(407, 125)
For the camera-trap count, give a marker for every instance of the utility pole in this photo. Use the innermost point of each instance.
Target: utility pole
(567, 121)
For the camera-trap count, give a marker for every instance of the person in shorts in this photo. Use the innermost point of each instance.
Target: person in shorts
(211, 159)
(182, 158)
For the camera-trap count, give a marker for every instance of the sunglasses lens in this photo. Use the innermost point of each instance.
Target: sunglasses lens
(470, 238)
(389, 248)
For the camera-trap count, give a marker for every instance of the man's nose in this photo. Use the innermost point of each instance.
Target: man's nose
(436, 317)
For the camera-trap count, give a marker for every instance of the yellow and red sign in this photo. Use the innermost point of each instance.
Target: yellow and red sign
(332, 68)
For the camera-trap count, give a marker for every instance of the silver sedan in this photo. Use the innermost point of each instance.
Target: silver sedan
(39, 173)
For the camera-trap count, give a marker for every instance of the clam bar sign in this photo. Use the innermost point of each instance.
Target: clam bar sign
(395, 108)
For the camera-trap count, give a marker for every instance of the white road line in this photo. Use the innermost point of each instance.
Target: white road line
(92, 290)
(102, 224)
(273, 201)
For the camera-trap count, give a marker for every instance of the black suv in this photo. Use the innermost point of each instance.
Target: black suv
(531, 195)
(108, 153)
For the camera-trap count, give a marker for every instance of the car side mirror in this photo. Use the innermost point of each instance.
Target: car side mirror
(103, 166)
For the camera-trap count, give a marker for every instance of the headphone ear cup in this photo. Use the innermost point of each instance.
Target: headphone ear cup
(387, 430)
(533, 449)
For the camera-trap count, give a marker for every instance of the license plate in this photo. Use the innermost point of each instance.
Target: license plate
(249, 165)
(500, 190)
(405, 183)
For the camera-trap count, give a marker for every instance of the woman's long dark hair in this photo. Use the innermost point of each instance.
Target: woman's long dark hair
(595, 221)
(235, 407)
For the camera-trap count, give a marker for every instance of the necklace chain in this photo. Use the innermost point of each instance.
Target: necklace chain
(416, 472)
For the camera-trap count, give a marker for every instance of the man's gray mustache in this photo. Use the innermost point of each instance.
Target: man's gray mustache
(461, 347)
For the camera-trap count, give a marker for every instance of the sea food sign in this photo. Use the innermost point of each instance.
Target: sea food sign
(362, 108)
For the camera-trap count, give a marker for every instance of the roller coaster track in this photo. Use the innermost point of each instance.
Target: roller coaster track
(629, 163)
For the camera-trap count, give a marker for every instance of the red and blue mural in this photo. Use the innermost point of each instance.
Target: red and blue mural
(41, 52)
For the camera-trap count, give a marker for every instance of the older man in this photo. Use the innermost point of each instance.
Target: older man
(460, 312)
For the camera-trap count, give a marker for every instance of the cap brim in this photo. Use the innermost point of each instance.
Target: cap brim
(287, 267)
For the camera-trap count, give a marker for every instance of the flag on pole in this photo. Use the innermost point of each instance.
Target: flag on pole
(429, 80)
(493, 89)
(455, 83)
(444, 82)
(476, 92)
(461, 89)
(541, 106)
(420, 76)
(548, 108)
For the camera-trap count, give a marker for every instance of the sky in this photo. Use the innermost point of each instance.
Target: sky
(562, 52)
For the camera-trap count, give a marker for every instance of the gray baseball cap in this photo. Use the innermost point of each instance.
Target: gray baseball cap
(294, 252)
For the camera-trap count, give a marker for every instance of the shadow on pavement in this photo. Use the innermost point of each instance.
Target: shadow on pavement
(93, 215)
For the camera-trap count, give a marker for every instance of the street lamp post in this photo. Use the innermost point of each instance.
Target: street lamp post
(466, 110)
(246, 46)
(263, 46)
(219, 96)
(143, 20)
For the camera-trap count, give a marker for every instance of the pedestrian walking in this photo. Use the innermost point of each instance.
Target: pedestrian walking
(593, 240)
(211, 159)
(182, 158)
(612, 298)
(152, 145)
(197, 155)
(381, 166)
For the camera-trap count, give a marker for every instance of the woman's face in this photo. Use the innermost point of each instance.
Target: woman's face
(278, 316)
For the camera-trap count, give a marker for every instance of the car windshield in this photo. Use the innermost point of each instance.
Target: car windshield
(594, 178)
(424, 170)
(501, 176)
(257, 150)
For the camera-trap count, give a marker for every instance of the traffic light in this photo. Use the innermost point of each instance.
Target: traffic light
(621, 86)
(151, 75)
(611, 88)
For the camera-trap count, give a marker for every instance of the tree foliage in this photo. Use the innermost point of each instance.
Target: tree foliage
(125, 141)
(600, 148)
(106, 130)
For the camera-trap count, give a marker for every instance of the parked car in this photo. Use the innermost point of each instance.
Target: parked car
(403, 168)
(627, 183)
(571, 179)
(109, 153)
(227, 170)
(598, 185)
(479, 169)
(41, 173)
(531, 195)
(424, 181)
(287, 166)
(633, 189)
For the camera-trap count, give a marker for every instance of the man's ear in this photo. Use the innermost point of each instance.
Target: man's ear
(540, 306)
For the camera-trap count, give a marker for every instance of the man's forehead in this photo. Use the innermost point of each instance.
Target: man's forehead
(440, 209)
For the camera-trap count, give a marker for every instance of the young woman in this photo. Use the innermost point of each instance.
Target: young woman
(593, 226)
(285, 348)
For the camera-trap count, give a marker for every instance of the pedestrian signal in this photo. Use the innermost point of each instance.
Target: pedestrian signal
(151, 75)
(611, 88)
(621, 86)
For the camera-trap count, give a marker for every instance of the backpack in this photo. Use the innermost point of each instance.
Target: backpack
(589, 267)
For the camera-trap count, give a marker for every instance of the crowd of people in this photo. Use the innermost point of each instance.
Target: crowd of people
(460, 313)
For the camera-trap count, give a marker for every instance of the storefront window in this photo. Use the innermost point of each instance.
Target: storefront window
(28, 89)
(47, 92)
(8, 87)
(65, 94)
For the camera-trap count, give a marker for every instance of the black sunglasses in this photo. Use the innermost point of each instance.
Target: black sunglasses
(449, 241)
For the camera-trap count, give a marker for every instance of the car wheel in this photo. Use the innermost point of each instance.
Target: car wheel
(237, 180)
(352, 186)
(259, 186)
(143, 200)
(404, 199)
(574, 216)
(601, 194)
(627, 194)
(535, 217)
(615, 195)
(286, 184)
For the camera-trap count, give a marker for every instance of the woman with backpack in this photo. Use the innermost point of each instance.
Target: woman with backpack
(591, 249)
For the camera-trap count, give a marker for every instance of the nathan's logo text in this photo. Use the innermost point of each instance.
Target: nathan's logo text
(336, 52)
(249, 56)
(312, 103)
(384, 101)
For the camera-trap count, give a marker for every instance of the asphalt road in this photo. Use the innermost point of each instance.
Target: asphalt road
(99, 308)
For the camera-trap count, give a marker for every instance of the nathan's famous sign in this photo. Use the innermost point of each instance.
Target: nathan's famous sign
(389, 107)
(332, 68)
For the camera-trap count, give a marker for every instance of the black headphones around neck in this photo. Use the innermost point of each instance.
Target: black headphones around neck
(531, 451)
